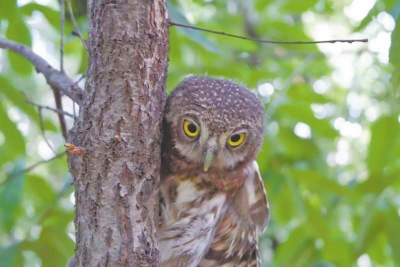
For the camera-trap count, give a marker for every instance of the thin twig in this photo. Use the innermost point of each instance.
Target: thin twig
(73, 102)
(59, 106)
(74, 110)
(43, 131)
(172, 23)
(76, 31)
(56, 93)
(50, 108)
(247, 8)
(54, 78)
(28, 169)
(62, 3)
(80, 78)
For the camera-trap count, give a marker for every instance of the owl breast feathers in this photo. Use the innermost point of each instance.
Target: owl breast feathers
(213, 201)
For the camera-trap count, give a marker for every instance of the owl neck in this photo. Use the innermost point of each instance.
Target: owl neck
(213, 181)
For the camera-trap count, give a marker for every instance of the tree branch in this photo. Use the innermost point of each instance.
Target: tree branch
(76, 31)
(56, 92)
(43, 130)
(54, 78)
(172, 23)
(62, 6)
(28, 169)
(50, 108)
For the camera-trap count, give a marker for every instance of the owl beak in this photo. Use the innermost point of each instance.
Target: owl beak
(209, 157)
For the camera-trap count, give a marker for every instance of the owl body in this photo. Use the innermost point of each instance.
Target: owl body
(213, 202)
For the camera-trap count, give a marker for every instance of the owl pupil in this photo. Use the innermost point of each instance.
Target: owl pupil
(235, 138)
(192, 128)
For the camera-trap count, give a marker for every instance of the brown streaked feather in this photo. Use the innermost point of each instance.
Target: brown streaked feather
(259, 208)
(235, 241)
(213, 218)
(189, 219)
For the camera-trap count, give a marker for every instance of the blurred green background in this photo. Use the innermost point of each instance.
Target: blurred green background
(331, 156)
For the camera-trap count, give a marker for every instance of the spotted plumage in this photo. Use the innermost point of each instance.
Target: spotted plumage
(213, 202)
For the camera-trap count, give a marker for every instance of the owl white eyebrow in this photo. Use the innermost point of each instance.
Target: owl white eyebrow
(239, 131)
(190, 118)
(203, 133)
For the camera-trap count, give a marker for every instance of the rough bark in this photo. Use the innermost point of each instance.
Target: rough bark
(119, 126)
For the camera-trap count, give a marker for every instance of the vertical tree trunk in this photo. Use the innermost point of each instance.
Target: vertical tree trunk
(116, 181)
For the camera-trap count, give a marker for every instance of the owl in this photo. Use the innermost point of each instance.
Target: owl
(213, 202)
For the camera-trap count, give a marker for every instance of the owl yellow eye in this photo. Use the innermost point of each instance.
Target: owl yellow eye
(190, 129)
(237, 139)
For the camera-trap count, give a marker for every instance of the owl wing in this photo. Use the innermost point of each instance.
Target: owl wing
(189, 224)
(235, 242)
(259, 207)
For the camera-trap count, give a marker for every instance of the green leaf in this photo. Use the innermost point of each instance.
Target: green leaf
(297, 250)
(378, 249)
(302, 92)
(393, 233)
(54, 247)
(296, 195)
(299, 112)
(394, 59)
(58, 219)
(84, 60)
(11, 256)
(10, 199)
(194, 35)
(323, 264)
(52, 16)
(19, 32)
(285, 205)
(299, 7)
(14, 143)
(292, 145)
(17, 98)
(396, 10)
(38, 192)
(381, 148)
(338, 245)
(319, 227)
(9, 10)
(376, 183)
(372, 225)
(320, 184)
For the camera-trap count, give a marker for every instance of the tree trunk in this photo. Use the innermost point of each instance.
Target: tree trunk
(116, 181)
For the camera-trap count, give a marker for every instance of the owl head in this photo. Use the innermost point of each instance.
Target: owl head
(214, 124)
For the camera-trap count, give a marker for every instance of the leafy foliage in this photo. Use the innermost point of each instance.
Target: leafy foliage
(331, 156)
(395, 58)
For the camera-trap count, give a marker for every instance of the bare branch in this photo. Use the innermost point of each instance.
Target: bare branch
(76, 31)
(42, 129)
(81, 78)
(74, 110)
(28, 169)
(54, 78)
(63, 124)
(62, 5)
(171, 23)
(73, 102)
(50, 108)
